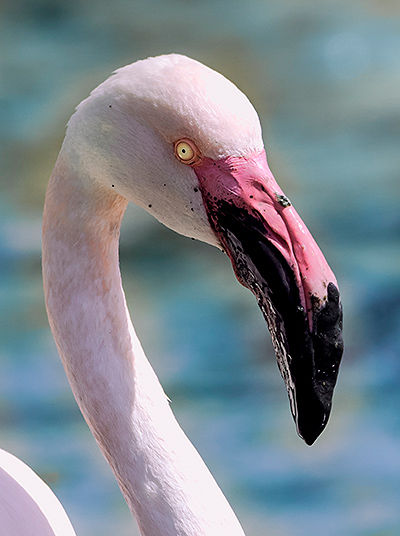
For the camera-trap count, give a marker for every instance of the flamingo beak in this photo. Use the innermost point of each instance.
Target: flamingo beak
(274, 255)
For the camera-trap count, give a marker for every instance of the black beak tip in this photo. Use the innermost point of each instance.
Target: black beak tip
(315, 384)
(311, 424)
(308, 440)
(311, 435)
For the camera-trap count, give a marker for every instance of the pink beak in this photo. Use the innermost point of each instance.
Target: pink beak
(274, 255)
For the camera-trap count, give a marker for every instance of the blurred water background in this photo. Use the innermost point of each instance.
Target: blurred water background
(324, 77)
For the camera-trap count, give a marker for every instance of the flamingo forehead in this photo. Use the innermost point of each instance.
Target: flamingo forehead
(182, 98)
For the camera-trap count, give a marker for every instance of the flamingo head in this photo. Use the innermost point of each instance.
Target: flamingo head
(182, 141)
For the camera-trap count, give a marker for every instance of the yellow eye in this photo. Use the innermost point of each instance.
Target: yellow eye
(186, 151)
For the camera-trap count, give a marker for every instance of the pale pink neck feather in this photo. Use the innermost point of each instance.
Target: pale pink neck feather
(162, 477)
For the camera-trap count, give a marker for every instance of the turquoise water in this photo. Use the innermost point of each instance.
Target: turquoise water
(324, 78)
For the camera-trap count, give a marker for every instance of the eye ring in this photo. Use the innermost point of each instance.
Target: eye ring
(186, 152)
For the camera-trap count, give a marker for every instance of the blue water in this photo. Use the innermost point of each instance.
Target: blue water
(324, 77)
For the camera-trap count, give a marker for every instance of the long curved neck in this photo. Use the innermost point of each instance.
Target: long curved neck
(165, 482)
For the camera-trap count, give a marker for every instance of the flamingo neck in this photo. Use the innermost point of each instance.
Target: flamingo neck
(162, 477)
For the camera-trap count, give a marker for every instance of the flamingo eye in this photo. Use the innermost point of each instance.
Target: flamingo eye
(187, 152)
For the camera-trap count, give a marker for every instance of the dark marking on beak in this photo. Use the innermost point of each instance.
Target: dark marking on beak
(308, 360)
(283, 200)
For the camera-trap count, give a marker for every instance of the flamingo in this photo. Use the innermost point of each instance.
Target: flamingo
(183, 142)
